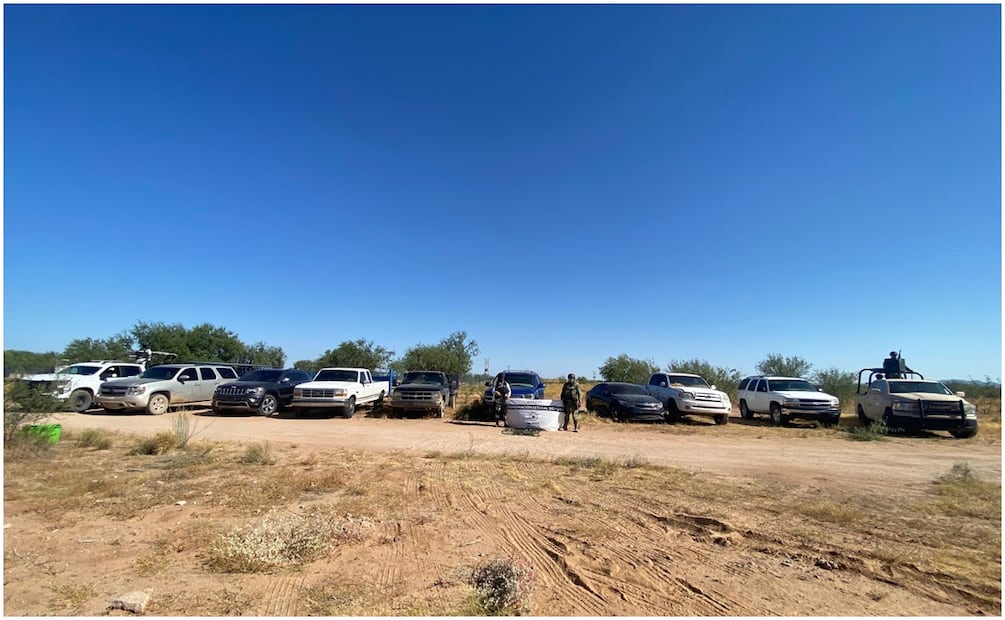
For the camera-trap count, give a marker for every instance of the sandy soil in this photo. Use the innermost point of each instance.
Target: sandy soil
(614, 548)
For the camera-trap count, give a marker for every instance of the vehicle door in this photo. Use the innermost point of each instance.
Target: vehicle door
(656, 386)
(208, 380)
(185, 385)
(368, 391)
(874, 400)
(759, 397)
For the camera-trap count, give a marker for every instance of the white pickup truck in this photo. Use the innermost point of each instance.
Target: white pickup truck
(79, 383)
(341, 388)
(687, 394)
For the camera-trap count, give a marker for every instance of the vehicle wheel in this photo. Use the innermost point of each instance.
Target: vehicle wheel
(439, 410)
(721, 419)
(614, 413)
(453, 401)
(396, 412)
(350, 407)
(831, 421)
(966, 433)
(269, 405)
(888, 419)
(745, 412)
(861, 414)
(377, 406)
(776, 414)
(81, 400)
(673, 413)
(158, 404)
(217, 411)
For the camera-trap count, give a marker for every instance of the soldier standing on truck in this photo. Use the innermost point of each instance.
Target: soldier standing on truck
(500, 393)
(570, 403)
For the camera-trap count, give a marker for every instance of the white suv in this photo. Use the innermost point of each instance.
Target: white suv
(79, 383)
(784, 398)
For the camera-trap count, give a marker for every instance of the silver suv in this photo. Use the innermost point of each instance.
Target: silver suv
(162, 387)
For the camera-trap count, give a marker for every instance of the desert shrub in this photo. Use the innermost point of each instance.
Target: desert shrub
(25, 404)
(503, 586)
(161, 443)
(594, 463)
(94, 438)
(960, 473)
(184, 429)
(876, 431)
(257, 454)
(24, 445)
(285, 540)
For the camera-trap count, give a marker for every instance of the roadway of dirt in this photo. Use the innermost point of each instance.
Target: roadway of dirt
(599, 546)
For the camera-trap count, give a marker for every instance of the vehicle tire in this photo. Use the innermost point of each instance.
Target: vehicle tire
(721, 419)
(379, 403)
(396, 412)
(776, 415)
(861, 414)
(614, 413)
(453, 401)
(745, 411)
(888, 419)
(439, 410)
(673, 413)
(269, 405)
(349, 409)
(81, 400)
(217, 411)
(158, 404)
(965, 433)
(831, 421)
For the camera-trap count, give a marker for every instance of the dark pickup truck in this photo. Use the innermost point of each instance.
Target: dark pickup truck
(263, 391)
(424, 390)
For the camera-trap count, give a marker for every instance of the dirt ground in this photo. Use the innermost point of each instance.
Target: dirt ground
(697, 520)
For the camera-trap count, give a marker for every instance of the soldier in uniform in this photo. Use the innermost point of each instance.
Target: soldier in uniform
(500, 393)
(570, 403)
(894, 366)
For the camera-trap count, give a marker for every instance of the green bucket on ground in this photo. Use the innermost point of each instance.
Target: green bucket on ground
(51, 432)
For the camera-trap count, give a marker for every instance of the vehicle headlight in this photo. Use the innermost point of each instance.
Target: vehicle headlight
(835, 403)
(136, 389)
(339, 392)
(790, 402)
(905, 406)
(969, 409)
(257, 391)
(687, 395)
(297, 392)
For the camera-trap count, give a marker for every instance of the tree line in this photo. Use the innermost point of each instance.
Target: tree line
(453, 354)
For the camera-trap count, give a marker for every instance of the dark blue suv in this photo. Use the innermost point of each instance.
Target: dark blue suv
(524, 383)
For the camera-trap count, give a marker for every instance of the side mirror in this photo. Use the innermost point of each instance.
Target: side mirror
(286, 380)
(542, 386)
(663, 383)
(488, 384)
(961, 394)
(820, 389)
(182, 379)
(712, 387)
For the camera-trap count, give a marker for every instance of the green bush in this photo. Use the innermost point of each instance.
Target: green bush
(876, 431)
(25, 404)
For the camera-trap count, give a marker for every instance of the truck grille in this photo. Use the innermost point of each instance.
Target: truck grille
(713, 398)
(806, 403)
(940, 407)
(108, 390)
(228, 390)
(316, 393)
(415, 395)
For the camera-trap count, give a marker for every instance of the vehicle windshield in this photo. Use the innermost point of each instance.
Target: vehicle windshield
(159, 372)
(687, 381)
(521, 378)
(924, 387)
(790, 385)
(626, 388)
(79, 370)
(433, 378)
(337, 375)
(265, 376)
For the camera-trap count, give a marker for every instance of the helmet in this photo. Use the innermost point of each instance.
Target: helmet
(572, 377)
(893, 354)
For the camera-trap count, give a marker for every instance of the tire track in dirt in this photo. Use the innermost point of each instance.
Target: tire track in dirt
(281, 595)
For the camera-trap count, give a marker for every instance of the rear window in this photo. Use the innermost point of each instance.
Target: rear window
(207, 374)
(227, 373)
(743, 384)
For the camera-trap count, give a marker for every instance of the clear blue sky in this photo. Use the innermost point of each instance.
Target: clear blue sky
(669, 182)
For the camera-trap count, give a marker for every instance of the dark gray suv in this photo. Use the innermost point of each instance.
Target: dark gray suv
(263, 391)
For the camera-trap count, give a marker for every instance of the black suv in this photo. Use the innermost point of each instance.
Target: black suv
(261, 391)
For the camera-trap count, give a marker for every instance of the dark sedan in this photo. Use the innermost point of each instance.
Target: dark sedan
(624, 401)
(262, 391)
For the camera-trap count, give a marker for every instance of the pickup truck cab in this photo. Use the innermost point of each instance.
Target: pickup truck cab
(159, 388)
(341, 389)
(688, 394)
(78, 384)
(784, 398)
(524, 383)
(424, 390)
(912, 402)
